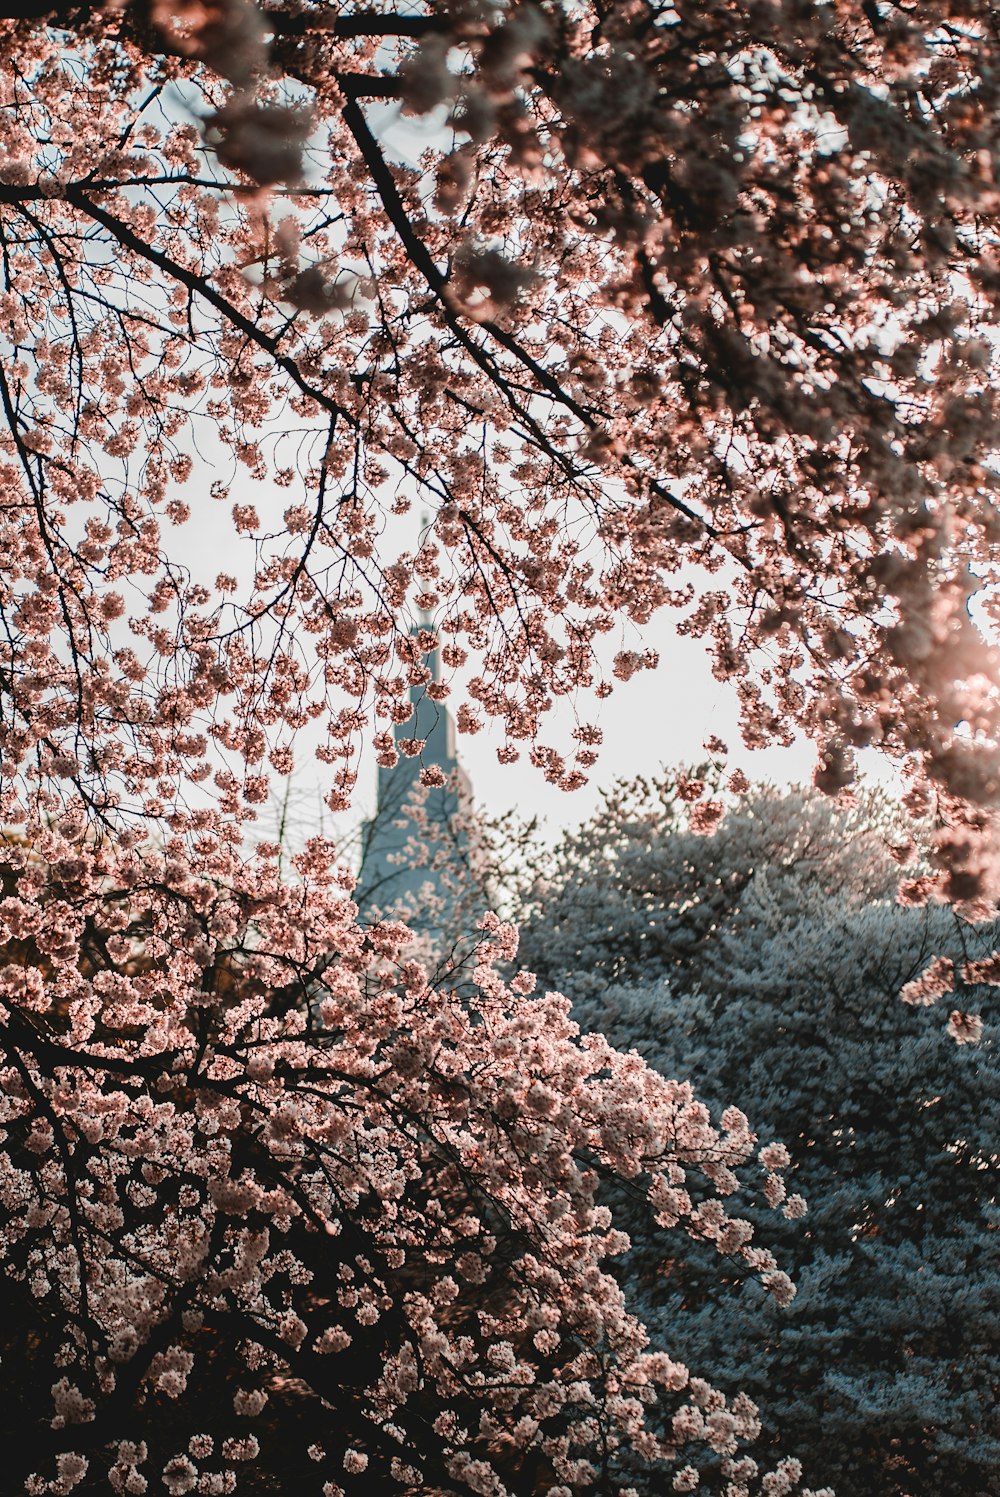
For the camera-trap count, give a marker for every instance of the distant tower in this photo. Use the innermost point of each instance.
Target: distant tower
(389, 875)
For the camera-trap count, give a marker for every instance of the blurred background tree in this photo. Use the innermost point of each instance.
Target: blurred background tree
(765, 961)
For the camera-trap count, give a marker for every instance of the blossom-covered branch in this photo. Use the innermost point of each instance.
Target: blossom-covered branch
(668, 288)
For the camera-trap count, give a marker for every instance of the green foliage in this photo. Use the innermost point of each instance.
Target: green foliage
(765, 962)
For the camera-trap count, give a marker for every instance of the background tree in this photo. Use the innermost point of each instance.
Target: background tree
(639, 890)
(765, 961)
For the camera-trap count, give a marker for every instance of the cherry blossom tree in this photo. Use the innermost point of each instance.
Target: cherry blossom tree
(253, 1157)
(668, 286)
(694, 291)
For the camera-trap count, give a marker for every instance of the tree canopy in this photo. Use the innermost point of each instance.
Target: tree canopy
(767, 966)
(672, 286)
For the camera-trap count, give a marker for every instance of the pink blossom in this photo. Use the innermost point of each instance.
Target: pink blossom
(936, 979)
(965, 1029)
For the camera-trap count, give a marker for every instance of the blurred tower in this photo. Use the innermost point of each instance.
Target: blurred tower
(415, 849)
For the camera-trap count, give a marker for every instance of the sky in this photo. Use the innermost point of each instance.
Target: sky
(659, 719)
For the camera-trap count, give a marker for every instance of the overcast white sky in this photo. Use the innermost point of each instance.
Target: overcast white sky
(659, 719)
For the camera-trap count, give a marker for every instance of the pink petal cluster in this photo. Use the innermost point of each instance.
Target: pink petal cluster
(248, 1117)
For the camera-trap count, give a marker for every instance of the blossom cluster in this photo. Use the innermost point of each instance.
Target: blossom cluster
(691, 310)
(250, 1141)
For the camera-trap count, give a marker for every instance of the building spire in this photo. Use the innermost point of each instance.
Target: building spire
(410, 812)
